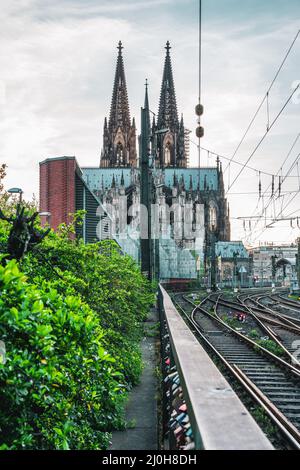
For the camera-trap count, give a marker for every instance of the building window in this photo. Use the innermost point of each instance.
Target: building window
(167, 155)
(120, 155)
(212, 218)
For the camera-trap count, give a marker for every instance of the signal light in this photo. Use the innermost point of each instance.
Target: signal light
(199, 109)
(200, 132)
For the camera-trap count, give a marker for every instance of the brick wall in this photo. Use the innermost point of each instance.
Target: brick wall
(57, 189)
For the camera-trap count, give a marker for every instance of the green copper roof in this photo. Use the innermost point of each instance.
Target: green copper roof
(211, 175)
(227, 249)
(94, 177)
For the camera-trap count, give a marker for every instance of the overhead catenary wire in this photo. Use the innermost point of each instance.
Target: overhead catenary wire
(216, 154)
(283, 208)
(265, 134)
(264, 98)
(281, 193)
(255, 193)
(272, 198)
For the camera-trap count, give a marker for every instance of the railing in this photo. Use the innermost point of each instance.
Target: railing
(217, 417)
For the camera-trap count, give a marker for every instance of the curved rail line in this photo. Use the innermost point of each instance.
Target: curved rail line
(272, 382)
(286, 329)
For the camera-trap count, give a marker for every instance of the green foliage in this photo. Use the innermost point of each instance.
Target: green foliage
(271, 346)
(264, 421)
(59, 387)
(152, 331)
(231, 321)
(71, 318)
(253, 334)
(110, 283)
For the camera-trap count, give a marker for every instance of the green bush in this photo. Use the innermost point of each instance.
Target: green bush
(271, 346)
(71, 318)
(254, 334)
(110, 283)
(59, 387)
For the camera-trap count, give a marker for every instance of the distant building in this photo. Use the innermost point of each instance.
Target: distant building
(284, 262)
(234, 265)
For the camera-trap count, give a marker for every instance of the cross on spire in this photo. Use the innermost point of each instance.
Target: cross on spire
(168, 47)
(120, 47)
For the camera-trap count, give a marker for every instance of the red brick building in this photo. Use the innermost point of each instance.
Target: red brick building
(63, 192)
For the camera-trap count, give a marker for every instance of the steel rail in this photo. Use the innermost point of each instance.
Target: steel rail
(254, 345)
(289, 321)
(267, 330)
(287, 429)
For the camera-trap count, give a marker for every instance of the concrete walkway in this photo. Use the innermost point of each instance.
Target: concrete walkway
(141, 409)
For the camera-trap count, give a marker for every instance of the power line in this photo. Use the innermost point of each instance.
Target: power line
(272, 198)
(266, 96)
(265, 134)
(280, 213)
(255, 192)
(282, 181)
(256, 170)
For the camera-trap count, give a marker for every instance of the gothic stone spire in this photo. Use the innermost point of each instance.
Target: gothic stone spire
(119, 110)
(170, 133)
(119, 143)
(167, 113)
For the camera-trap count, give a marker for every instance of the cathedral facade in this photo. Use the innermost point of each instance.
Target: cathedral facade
(172, 183)
(187, 208)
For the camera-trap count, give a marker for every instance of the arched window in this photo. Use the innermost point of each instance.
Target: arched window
(212, 217)
(120, 154)
(168, 145)
(167, 156)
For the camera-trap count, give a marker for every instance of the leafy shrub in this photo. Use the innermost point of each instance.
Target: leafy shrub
(110, 283)
(72, 324)
(253, 334)
(59, 387)
(271, 346)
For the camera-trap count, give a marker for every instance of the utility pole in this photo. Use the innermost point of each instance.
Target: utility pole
(250, 270)
(235, 254)
(273, 258)
(145, 218)
(298, 262)
(213, 259)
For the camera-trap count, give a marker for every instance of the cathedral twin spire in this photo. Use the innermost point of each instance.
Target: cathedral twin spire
(119, 136)
(119, 110)
(167, 113)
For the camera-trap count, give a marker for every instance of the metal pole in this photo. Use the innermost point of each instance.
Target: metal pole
(213, 260)
(298, 262)
(145, 242)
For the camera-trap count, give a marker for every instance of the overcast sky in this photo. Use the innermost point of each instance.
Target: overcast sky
(57, 64)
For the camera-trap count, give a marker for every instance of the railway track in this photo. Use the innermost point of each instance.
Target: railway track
(264, 322)
(286, 307)
(285, 328)
(272, 382)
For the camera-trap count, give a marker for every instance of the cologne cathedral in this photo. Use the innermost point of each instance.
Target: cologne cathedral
(173, 181)
(162, 149)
